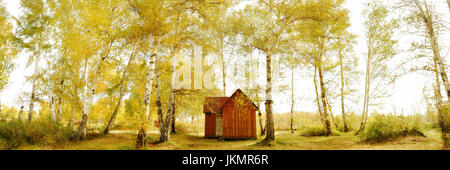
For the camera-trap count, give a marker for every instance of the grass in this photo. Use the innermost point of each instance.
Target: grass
(119, 140)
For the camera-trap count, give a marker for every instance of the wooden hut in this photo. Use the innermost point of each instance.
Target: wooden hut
(230, 117)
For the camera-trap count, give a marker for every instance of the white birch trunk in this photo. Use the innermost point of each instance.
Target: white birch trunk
(19, 117)
(140, 141)
(52, 109)
(427, 17)
(59, 113)
(33, 90)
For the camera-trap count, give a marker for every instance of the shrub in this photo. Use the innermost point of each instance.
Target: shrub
(39, 132)
(316, 130)
(387, 127)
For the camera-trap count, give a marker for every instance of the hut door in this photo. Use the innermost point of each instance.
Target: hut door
(219, 126)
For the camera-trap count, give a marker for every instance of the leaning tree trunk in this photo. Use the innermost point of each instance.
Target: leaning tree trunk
(270, 135)
(324, 102)
(331, 114)
(427, 18)
(140, 141)
(82, 129)
(116, 110)
(438, 97)
(437, 55)
(122, 87)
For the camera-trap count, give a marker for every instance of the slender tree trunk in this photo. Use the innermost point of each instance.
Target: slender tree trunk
(82, 129)
(122, 86)
(52, 109)
(140, 141)
(72, 116)
(116, 110)
(33, 90)
(59, 114)
(165, 131)
(158, 100)
(262, 128)
(80, 134)
(292, 94)
(319, 107)
(1, 115)
(366, 96)
(224, 73)
(165, 136)
(324, 102)
(341, 63)
(173, 118)
(330, 109)
(149, 84)
(270, 135)
(19, 117)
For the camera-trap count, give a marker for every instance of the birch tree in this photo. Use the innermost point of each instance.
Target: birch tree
(88, 32)
(264, 27)
(426, 14)
(347, 63)
(423, 17)
(8, 49)
(381, 48)
(32, 33)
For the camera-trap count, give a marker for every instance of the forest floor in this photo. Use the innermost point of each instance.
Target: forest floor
(125, 140)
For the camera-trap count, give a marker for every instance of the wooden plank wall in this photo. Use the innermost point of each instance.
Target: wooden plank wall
(210, 125)
(239, 123)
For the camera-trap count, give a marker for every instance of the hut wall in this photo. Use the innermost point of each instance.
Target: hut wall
(210, 125)
(239, 123)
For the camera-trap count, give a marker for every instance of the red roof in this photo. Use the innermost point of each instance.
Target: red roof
(214, 104)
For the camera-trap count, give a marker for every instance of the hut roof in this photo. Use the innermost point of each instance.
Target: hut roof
(214, 104)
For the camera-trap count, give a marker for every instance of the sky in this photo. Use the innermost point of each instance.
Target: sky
(407, 97)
